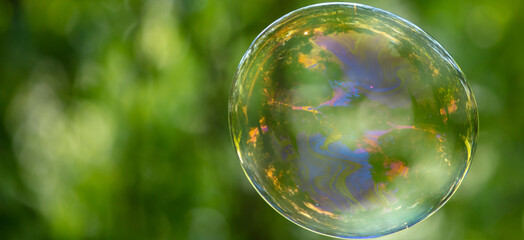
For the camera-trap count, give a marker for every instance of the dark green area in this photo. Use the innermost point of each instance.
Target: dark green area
(114, 119)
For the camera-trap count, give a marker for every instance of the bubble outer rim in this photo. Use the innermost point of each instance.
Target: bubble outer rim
(438, 48)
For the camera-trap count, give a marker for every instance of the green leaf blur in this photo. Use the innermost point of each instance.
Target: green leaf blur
(114, 119)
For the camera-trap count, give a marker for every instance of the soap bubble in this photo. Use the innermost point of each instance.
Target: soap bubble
(350, 121)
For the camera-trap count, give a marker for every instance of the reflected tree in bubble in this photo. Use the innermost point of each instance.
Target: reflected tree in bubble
(350, 121)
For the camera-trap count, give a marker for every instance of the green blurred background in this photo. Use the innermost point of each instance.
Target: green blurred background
(114, 119)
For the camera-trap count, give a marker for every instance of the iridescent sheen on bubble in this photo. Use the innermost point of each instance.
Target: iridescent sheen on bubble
(350, 121)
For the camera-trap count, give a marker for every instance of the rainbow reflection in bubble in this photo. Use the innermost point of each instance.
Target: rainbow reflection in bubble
(350, 121)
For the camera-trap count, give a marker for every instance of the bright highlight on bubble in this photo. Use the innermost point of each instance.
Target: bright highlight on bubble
(351, 121)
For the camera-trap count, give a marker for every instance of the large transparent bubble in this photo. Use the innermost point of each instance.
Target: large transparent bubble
(351, 121)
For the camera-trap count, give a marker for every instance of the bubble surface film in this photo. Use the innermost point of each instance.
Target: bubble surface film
(350, 121)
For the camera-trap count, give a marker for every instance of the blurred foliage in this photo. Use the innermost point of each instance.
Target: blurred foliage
(114, 119)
